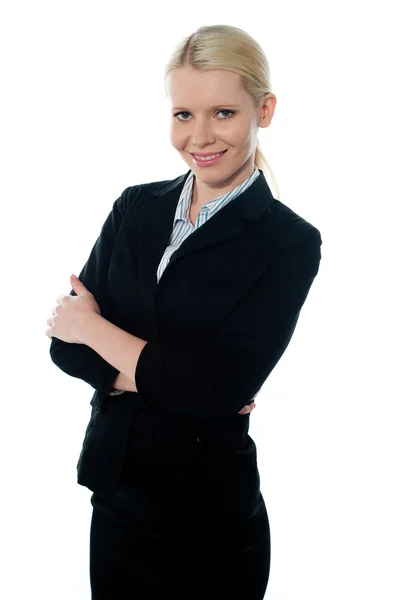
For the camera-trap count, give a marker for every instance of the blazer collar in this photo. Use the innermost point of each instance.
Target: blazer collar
(155, 222)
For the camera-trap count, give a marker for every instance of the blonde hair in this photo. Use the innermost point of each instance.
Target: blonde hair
(230, 48)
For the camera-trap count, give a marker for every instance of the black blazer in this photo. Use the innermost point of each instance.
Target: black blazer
(217, 323)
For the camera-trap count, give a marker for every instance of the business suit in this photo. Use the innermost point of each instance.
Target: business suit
(218, 321)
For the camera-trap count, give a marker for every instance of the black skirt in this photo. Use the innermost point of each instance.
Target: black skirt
(160, 537)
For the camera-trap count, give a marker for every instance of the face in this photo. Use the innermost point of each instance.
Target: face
(212, 113)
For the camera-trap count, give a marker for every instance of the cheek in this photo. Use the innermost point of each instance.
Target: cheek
(177, 139)
(243, 140)
(236, 137)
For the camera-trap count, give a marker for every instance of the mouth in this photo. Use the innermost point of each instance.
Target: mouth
(206, 154)
(208, 159)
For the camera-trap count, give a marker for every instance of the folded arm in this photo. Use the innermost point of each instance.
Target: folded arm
(79, 360)
(214, 384)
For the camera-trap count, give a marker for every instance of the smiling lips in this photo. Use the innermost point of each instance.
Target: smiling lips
(205, 154)
(207, 157)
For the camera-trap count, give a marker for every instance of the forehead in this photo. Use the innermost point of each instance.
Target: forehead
(213, 88)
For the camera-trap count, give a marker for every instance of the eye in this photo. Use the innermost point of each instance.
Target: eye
(184, 112)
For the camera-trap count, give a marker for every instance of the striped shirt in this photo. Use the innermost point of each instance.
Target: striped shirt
(182, 226)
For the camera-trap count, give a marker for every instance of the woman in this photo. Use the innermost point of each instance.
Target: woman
(188, 300)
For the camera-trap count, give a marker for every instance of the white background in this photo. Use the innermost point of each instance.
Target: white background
(83, 116)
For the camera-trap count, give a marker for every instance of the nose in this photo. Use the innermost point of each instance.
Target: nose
(202, 134)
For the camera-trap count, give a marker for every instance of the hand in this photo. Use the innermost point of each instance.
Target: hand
(249, 407)
(72, 313)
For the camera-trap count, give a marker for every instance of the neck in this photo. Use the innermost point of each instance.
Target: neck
(208, 194)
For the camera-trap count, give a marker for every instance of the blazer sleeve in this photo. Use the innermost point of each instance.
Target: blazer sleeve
(216, 384)
(79, 360)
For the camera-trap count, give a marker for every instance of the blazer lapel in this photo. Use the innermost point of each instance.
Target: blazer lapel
(155, 223)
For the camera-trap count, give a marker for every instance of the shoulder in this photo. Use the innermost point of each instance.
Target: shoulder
(135, 195)
(295, 229)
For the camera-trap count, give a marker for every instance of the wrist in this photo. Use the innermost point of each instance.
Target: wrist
(122, 382)
(90, 326)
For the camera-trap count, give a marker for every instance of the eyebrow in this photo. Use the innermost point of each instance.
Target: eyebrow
(212, 107)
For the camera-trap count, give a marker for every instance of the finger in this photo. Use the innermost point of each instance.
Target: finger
(248, 408)
(245, 410)
(64, 297)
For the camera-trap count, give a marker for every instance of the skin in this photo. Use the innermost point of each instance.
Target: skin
(199, 128)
